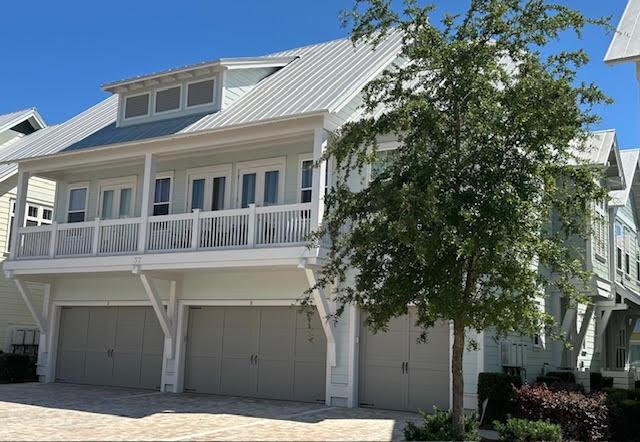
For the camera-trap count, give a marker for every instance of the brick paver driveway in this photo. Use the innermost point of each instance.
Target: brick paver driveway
(74, 412)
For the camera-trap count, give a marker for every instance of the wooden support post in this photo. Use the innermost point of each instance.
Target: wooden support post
(148, 193)
(324, 309)
(165, 323)
(19, 214)
(320, 137)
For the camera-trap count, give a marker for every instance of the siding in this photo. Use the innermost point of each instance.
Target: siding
(291, 151)
(13, 311)
(239, 82)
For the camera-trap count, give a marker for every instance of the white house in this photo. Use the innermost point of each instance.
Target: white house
(18, 331)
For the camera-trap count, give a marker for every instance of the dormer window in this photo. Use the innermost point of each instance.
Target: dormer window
(136, 106)
(168, 99)
(200, 93)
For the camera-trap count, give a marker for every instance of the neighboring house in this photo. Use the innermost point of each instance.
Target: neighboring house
(18, 332)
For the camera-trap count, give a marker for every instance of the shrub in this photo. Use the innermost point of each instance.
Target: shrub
(624, 413)
(637, 385)
(581, 417)
(438, 426)
(607, 382)
(498, 388)
(17, 368)
(558, 384)
(522, 430)
(595, 381)
(564, 376)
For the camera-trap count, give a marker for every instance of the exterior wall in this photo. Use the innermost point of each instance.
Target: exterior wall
(239, 82)
(178, 168)
(587, 359)
(627, 217)
(13, 311)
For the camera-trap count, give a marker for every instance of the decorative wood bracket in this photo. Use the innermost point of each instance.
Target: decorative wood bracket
(26, 297)
(324, 308)
(168, 327)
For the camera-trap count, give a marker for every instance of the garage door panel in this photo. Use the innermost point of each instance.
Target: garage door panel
(240, 331)
(202, 374)
(126, 369)
(150, 371)
(153, 336)
(74, 323)
(70, 366)
(274, 379)
(309, 380)
(310, 343)
(382, 386)
(237, 376)
(424, 395)
(101, 332)
(275, 339)
(98, 368)
(129, 330)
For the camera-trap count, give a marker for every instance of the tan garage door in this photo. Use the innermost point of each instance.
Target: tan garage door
(398, 373)
(267, 352)
(115, 346)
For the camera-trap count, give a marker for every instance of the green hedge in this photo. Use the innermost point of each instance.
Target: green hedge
(523, 430)
(563, 376)
(624, 413)
(599, 382)
(439, 426)
(498, 388)
(17, 368)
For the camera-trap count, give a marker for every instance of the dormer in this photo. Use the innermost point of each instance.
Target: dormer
(203, 88)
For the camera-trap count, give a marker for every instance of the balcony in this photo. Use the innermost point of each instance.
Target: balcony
(250, 228)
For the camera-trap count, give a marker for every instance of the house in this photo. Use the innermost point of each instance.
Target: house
(177, 246)
(18, 332)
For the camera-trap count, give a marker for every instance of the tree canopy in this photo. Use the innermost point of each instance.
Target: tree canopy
(485, 185)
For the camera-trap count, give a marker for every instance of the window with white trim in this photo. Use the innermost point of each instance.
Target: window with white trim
(77, 204)
(619, 231)
(162, 196)
(200, 93)
(261, 182)
(35, 215)
(136, 106)
(168, 99)
(117, 198)
(627, 251)
(600, 230)
(209, 188)
(306, 180)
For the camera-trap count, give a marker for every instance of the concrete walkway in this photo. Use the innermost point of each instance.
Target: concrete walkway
(74, 412)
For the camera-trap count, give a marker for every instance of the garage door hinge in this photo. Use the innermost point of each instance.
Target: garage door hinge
(364, 404)
(59, 380)
(191, 307)
(190, 390)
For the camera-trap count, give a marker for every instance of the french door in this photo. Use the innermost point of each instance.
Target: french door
(262, 186)
(116, 201)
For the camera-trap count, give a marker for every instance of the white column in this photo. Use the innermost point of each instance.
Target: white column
(170, 364)
(148, 191)
(43, 367)
(19, 215)
(320, 137)
(353, 363)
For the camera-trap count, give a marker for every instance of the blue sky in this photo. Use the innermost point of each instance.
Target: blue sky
(60, 51)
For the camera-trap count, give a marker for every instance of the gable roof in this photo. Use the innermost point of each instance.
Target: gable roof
(629, 163)
(625, 45)
(602, 151)
(7, 121)
(319, 79)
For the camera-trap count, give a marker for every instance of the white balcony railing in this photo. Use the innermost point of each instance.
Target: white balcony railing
(224, 229)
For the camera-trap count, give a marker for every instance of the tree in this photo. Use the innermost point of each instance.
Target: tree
(490, 133)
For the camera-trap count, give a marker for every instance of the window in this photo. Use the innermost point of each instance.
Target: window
(168, 99)
(306, 181)
(136, 106)
(627, 251)
(77, 208)
(619, 244)
(384, 155)
(208, 188)
(600, 231)
(260, 182)
(36, 215)
(116, 198)
(162, 196)
(200, 93)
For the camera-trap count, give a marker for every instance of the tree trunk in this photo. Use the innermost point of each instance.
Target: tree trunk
(456, 376)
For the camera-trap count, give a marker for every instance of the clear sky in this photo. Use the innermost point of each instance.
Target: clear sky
(58, 53)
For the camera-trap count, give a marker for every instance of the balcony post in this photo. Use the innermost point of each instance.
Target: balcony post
(320, 137)
(19, 215)
(251, 226)
(148, 192)
(96, 237)
(53, 240)
(195, 229)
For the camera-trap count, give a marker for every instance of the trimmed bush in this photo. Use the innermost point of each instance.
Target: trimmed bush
(595, 381)
(637, 385)
(17, 368)
(581, 417)
(438, 426)
(499, 389)
(624, 413)
(564, 376)
(523, 430)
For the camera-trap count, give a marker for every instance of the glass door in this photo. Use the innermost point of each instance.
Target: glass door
(116, 202)
(260, 186)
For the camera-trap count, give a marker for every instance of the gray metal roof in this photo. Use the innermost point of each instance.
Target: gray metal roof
(625, 45)
(598, 147)
(629, 164)
(322, 78)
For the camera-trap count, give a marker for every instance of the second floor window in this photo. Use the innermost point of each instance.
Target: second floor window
(619, 245)
(600, 231)
(77, 209)
(36, 215)
(306, 180)
(162, 196)
(627, 251)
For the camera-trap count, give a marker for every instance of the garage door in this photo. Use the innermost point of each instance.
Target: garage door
(267, 352)
(115, 346)
(398, 373)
